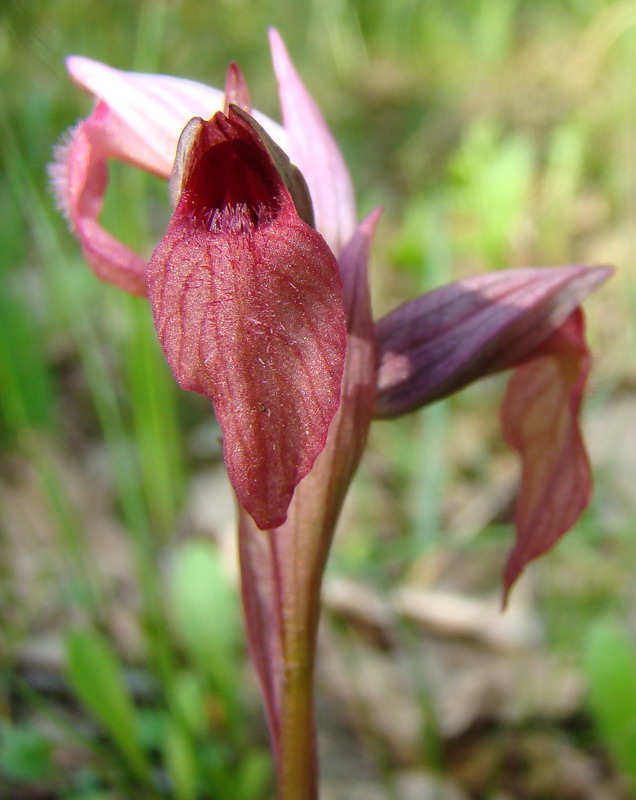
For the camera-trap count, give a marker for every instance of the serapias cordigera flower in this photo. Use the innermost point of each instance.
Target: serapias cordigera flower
(260, 299)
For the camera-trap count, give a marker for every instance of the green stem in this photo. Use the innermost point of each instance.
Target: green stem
(297, 778)
(297, 571)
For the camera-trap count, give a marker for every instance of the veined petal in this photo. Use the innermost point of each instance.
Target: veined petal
(444, 340)
(248, 304)
(540, 420)
(354, 266)
(79, 176)
(314, 151)
(152, 110)
(358, 387)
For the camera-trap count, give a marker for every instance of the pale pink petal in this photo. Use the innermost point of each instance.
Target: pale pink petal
(540, 419)
(79, 177)
(312, 148)
(152, 110)
(444, 340)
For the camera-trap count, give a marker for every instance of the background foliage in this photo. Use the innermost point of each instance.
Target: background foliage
(494, 133)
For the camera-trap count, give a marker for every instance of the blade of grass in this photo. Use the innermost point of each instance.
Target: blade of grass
(151, 390)
(97, 676)
(609, 661)
(75, 294)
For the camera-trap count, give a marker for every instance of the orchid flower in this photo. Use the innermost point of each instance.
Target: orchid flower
(260, 299)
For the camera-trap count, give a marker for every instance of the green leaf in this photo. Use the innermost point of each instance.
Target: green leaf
(205, 614)
(97, 676)
(609, 662)
(181, 762)
(25, 755)
(187, 702)
(27, 398)
(254, 775)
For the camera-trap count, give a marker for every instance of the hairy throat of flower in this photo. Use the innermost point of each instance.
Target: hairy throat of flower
(232, 190)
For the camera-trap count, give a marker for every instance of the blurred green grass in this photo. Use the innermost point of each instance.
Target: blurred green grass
(493, 132)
